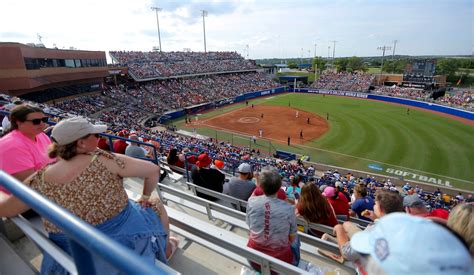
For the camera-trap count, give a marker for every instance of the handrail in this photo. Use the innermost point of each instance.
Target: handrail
(83, 238)
(237, 218)
(237, 214)
(227, 240)
(358, 221)
(240, 204)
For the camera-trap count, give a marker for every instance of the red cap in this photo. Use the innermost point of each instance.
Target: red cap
(203, 161)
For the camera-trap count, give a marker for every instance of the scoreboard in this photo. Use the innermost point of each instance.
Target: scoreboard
(420, 71)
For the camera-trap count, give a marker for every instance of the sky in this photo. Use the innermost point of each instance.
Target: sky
(254, 28)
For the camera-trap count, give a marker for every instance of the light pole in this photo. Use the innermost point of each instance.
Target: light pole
(157, 23)
(315, 63)
(301, 59)
(393, 55)
(394, 46)
(333, 49)
(383, 49)
(204, 14)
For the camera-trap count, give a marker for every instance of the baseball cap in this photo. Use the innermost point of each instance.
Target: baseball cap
(322, 187)
(219, 163)
(72, 129)
(405, 244)
(244, 168)
(339, 184)
(203, 160)
(329, 192)
(412, 201)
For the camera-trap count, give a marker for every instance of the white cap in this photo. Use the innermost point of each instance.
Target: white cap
(72, 129)
(244, 168)
(405, 244)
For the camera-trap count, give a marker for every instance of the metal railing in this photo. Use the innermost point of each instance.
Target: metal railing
(83, 238)
(214, 210)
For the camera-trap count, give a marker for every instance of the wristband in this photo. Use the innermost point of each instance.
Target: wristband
(144, 197)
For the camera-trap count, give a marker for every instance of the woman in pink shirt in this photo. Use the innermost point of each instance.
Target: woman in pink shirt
(23, 150)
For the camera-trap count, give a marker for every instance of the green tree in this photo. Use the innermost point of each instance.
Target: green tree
(292, 65)
(319, 62)
(356, 64)
(447, 66)
(341, 64)
(395, 66)
(466, 63)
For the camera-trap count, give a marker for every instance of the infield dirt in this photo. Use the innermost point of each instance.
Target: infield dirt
(277, 124)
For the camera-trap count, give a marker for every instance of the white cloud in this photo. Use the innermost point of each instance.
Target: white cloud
(270, 28)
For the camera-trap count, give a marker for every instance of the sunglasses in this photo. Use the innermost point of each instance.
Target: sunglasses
(37, 121)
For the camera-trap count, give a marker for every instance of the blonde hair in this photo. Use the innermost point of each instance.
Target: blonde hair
(461, 221)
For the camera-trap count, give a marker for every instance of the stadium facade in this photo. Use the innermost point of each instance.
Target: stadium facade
(43, 74)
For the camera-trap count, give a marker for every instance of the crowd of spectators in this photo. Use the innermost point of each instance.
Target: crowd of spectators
(123, 121)
(459, 99)
(463, 99)
(126, 105)
(185, 92)
(418, 94)
(167, 64)
(83, 106)
(310, 192)
(344, 81)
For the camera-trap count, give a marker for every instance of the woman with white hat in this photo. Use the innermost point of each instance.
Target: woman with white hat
(89, 183)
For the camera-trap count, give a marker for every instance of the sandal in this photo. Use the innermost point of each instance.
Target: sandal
(173, 243)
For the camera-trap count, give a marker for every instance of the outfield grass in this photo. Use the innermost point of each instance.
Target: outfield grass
(374, 70)
(364, 132)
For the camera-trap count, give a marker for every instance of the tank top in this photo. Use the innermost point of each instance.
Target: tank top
(95, 195)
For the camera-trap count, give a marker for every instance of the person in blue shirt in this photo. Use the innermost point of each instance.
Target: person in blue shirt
(293, 192)
(362, 202)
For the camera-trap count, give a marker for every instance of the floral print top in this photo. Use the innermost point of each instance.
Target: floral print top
(95, 196)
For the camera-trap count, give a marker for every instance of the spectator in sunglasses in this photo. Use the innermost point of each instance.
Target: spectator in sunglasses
(23, 148)
(88, 182)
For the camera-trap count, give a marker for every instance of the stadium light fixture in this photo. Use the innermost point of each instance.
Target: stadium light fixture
(204, 14)
(156, 9)
(393, 54)
(333, 49)
(394, 46)
(383, 49)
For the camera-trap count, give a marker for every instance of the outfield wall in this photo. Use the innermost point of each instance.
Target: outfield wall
(409, 102)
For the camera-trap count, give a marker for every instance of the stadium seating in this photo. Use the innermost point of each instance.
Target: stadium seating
(344, 81)
(149, 65)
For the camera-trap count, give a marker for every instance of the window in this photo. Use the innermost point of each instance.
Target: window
(69, 63)
(31, 64)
